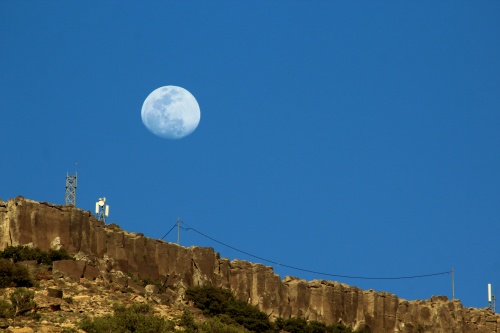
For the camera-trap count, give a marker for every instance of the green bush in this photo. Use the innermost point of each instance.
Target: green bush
(215, 324)
(61, 254)
(14, 275)
(317, 327)
(217, 301)
(138, 318)
(187, 321)
(293, 325)
(22, 301)
(21, 304)
(24, 252)
(5, 309)
(211, 300)
(106, 323)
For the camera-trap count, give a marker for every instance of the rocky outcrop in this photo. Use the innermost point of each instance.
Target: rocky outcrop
(107, 252)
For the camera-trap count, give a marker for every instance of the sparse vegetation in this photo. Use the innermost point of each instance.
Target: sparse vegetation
(216, 324)
(69, 330)
(187, 321)
(22, 302)
(24, 252)
(14, 275)
(5, 309)
(138, 318)
(216, 301)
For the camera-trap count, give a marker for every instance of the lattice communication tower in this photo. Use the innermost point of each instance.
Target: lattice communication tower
(71, 183)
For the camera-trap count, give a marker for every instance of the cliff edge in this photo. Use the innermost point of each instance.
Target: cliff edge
(109, 253)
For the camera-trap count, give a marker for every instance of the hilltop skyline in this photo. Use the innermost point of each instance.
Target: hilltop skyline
(354, 139)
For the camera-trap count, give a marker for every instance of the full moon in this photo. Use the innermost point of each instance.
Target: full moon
(170, 112)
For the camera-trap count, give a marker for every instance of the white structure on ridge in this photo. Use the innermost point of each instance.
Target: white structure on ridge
(491, 298)
(101, 209)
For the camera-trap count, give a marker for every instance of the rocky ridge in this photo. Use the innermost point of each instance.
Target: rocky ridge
(112, 256)
(63, 302)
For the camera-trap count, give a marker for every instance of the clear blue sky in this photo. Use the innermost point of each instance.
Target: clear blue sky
(344, 137)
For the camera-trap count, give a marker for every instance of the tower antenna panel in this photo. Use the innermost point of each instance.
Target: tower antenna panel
(101, 209)
(491, 299)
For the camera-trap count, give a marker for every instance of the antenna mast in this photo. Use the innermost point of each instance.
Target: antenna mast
(71, 183)
(491, 299)
(101, 209)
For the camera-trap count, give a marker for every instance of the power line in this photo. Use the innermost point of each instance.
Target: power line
(308, 270)
(169, 231)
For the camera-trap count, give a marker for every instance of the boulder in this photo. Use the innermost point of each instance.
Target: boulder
(56, 293)
(91, 272)
(151, 289)
(69, 268)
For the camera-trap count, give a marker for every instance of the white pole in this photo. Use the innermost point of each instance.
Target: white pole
(489, 292)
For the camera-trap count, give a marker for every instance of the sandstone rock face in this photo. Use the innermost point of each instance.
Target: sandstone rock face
(108, 252)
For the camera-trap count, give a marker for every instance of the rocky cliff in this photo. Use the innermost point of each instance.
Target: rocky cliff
(109, 253)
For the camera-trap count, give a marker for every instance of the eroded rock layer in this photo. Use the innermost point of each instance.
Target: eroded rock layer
(111, 253)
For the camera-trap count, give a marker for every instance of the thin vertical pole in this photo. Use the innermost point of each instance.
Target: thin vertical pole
(452, 283)
(495, 301)
(179, 230)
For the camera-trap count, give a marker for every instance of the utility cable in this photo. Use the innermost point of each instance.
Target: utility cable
(169, 231)
(311, 271)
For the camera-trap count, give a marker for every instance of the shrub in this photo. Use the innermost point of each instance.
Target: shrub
(211, 300)
(138, 318)
(187, 321)
(24, 252)
(318, 327)
(217, 301)
(61, 254)
(5, 309)
(14, 275)
(101, 324)
(215, 324)
(294, 325)
(22, 301)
